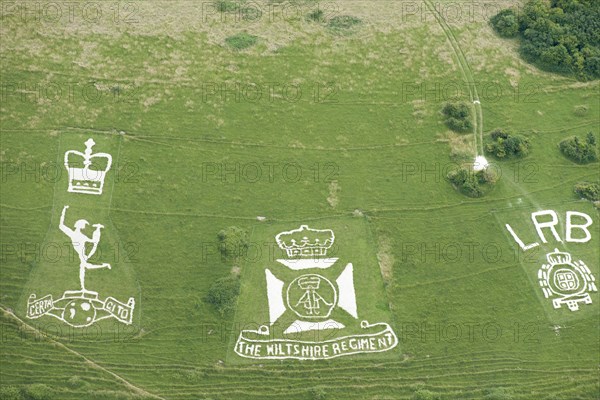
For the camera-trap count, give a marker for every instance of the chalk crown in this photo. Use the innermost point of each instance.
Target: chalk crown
(86, 180)
(306, 242)
(558, 257)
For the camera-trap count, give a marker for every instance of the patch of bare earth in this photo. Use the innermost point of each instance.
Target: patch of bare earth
(385, 259)
(334, 190)
(462, 145)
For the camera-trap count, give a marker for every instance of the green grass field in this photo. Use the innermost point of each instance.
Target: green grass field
(331, 124)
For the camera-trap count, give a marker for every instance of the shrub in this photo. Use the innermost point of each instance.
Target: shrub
(504, 145)
(241, 41)
(458, 110)
(10, 393)
(223, 293)
(37, 391)
(490, 175)
(227, 5)
(588, 190)
(578, 150)
(457, 116)
(468, 181)
(505, 23)
(317, 16)
(343, 23)
(233, 242)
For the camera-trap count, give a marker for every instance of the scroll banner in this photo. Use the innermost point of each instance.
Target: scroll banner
(258, 345)
(97, 310)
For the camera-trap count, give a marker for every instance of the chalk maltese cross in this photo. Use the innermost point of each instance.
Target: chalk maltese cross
(311, 296)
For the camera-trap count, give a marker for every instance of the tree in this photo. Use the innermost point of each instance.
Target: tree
(467, 181)
(588, 190)
(580, 151)
(557, 57)
(505, 23)
(457, 116)
(590, 139)
(223, 294)
(557, 35)
(502, 144)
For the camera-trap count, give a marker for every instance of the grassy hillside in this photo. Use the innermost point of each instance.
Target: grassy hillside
(318, 122)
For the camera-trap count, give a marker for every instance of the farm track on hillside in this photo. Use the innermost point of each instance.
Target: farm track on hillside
(361, 378)
(7, 313)
(467, 74)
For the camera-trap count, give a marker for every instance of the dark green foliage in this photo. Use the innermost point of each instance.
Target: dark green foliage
(588, 190)
(317, 16)
(343, 24)
(559, 35)
(470, 182)
(241, 41)
(227, 5)
(457, 116)
(504, 145)
(223, 294)
(10, 393)
(37, 391)
(578, 150)
(505, 23)
(233, 242)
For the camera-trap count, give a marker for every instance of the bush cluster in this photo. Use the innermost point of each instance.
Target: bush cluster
(581, 151)
(223, 293)
(504, 145)
(588, 190)
(470, 182)
(558, 35)
(34, 391)
(457, 116)
(505, 23)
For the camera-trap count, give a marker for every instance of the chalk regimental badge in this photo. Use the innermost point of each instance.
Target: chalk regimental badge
(83, 307)
(568, 282)
(313, 301)
(87, 170)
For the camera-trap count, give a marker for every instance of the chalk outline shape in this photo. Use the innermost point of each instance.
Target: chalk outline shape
(333, 304)
(572, 300)
(264, 330)
(85, 173)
